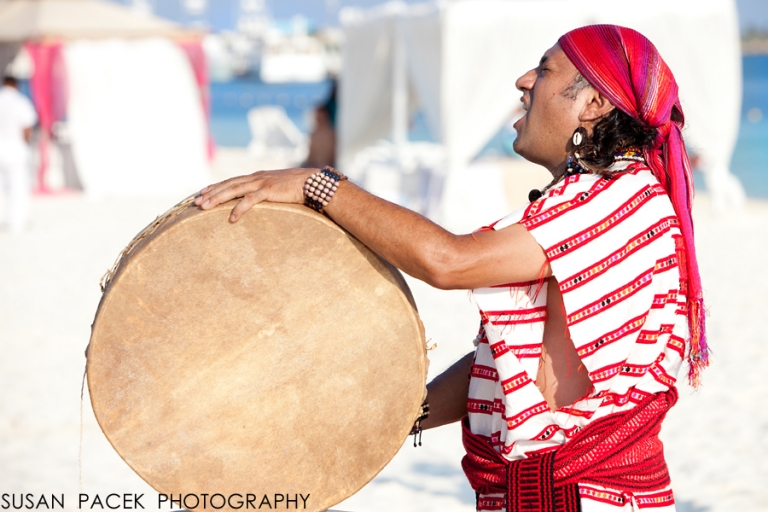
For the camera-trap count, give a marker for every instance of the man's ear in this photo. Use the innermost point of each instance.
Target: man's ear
(596, 106)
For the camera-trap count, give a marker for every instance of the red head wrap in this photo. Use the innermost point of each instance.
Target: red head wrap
(626, 68)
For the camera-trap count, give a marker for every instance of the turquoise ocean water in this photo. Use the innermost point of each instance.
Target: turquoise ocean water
(230, 102)
(750, 158)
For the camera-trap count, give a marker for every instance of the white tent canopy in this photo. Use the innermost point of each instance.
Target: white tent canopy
(458, 61)
(24, 20)
(135, 118)
(134, 113)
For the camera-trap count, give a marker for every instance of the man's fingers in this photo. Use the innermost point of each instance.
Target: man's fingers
(224, 192)
(208, 192)
(245, 204)
(207, 195)
(243, 188)
(283, 185)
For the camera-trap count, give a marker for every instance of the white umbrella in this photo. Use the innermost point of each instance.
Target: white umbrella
(25, 20)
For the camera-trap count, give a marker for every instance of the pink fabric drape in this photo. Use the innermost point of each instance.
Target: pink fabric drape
(196, 56)
(49, 94)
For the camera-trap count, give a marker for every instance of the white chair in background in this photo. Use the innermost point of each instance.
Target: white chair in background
(274, 137)
(411, 175)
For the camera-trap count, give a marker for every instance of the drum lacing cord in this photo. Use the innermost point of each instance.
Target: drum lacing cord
(417, 430)
(159, 220)
(80, 448)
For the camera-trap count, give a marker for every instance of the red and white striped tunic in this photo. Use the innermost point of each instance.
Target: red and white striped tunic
(612, 246)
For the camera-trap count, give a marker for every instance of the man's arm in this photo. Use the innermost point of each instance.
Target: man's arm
(409, 241)
(447, 394)
(428, 252)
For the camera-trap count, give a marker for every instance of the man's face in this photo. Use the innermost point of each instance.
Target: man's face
(552, 114)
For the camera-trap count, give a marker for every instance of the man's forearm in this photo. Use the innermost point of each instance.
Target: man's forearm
(447, 394)
(428, 252)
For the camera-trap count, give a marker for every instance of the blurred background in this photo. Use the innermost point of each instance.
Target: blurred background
(124, 107)
(390, 93)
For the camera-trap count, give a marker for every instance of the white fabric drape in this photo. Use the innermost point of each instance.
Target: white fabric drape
(135, 118)
(423, 38)
(366, 98)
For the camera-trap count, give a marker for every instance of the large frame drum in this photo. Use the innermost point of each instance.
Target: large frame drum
(274, 355)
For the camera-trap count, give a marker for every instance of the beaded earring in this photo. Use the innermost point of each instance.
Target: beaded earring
(573, 165)
(574, 159)
(579, 137)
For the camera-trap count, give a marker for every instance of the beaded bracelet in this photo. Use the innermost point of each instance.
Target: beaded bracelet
(320, 187)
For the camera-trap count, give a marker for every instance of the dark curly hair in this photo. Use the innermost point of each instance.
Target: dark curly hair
(614, 132)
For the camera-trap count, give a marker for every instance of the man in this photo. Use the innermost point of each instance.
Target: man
(17, 117)
(322, 140)
(589, 297)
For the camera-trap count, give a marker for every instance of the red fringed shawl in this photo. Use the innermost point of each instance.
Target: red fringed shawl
(625, 67)
(621, 451)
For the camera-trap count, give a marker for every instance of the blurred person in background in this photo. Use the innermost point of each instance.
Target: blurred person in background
(590, 297)
(322, 140)
(17, 118)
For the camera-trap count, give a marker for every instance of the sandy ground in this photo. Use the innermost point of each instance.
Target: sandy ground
(716, 438)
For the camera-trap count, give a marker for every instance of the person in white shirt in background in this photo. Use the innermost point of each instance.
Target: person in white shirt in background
(17, 117)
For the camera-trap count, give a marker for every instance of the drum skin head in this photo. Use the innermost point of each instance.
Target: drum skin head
(275, 355)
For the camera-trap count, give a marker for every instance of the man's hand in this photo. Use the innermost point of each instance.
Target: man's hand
(281, 186)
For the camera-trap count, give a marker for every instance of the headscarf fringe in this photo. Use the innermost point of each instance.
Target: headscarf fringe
(698, 355)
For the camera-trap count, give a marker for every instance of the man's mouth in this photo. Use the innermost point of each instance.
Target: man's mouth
(516, 124)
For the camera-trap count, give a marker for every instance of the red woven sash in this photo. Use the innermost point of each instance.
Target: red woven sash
(621, 451)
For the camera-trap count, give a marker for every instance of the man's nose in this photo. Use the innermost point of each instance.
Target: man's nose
(525, 82)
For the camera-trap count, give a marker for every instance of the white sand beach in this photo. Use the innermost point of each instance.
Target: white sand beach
(716, 438)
